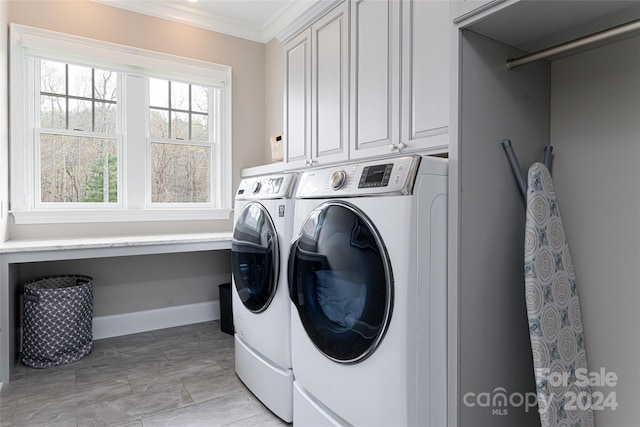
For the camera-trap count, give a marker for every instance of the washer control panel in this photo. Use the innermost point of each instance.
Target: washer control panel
(376, 177)
(266, 187)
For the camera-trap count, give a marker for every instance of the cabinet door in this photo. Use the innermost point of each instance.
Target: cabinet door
(297, 112)
(425, 75)
(330, 86)
(375, 79)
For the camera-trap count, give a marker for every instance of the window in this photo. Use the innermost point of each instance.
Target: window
(180, 142)
(105, 132)
(77, 142)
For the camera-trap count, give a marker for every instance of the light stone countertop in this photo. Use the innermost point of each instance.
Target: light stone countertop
(14, 246)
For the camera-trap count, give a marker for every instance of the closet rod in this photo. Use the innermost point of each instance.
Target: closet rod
(620, 30)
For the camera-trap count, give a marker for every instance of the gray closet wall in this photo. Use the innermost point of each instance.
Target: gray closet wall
(595, 128)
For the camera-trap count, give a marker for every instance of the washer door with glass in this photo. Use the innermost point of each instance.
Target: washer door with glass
(255, 257)
(341, 283)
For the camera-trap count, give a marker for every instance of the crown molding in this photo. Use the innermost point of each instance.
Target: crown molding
(190, 15)
(306, 18)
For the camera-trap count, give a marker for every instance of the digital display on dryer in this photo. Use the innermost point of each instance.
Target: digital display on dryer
(375, 176)
(273, 186)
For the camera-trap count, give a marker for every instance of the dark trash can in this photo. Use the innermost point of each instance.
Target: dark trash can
(226, 309)
(57, 323)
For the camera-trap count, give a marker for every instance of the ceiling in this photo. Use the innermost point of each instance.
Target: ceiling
(257, 20)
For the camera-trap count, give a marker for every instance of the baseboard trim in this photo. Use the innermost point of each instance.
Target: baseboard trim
(149, 320)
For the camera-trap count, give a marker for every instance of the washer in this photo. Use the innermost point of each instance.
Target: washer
(261, 309)
(368, 286)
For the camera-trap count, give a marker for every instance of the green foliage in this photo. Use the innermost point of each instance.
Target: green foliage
(94, 187)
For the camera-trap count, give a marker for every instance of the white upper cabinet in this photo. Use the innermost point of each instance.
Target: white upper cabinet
(425, 75)
(369, 78)
(330, 86)
(297, 109)
(317, 97)
(399, 76)
(375, 77)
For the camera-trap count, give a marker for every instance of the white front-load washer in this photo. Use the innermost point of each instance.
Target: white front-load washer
(262, 233)
(368, 286)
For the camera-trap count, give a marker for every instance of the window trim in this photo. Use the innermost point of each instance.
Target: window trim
(29, 41)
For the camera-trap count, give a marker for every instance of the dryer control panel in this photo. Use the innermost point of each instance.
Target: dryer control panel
(267, 187)
(393, 176)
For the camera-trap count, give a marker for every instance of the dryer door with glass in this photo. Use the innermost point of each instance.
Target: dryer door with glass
(255, 257)
(340, 282)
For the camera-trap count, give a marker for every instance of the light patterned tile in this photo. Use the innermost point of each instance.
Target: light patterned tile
(217, 412)
(171, 396)
(45, 418)
(56, 377)
(127, 409)
(136, 423)
(132, 341)
(6, 412)
(138, 380)
(172, 373)
(45, 406)
(103, 414)
(96, 374)
(227, 362)
(217, 384)
(103, 391)
(262, 420)
(124, 366)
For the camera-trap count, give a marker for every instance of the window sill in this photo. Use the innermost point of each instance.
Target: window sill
(108, 215)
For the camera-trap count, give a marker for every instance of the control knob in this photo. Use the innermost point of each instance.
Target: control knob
(256, 187)
(338, 178)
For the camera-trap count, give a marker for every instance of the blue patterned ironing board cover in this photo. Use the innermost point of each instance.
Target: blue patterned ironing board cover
(553, 309)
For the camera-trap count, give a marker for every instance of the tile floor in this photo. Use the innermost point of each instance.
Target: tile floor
(181, 376)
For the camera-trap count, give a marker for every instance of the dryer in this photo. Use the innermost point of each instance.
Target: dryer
(368, 289)
(262, 233)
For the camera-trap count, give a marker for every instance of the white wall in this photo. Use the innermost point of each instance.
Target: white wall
(595, 130)
(4, 117)
(4, 176)
(124, 285)
(274, 70)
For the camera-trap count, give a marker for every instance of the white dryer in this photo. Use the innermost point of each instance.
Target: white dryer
(368, 287)
(261, 309)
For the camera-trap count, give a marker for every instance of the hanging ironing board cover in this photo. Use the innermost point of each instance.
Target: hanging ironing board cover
(553, 308)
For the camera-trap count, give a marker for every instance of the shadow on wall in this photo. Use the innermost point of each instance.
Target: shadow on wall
(144, 282)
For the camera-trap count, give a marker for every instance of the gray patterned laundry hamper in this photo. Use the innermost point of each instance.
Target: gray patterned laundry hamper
(57, 324)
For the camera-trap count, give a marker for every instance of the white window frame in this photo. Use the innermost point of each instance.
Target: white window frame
(134, 63)
(213, 144)
(32, 105)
